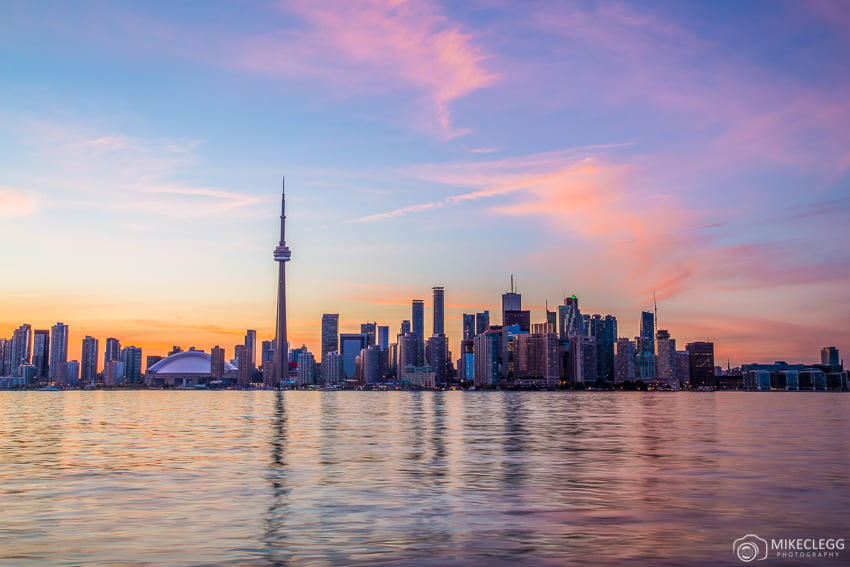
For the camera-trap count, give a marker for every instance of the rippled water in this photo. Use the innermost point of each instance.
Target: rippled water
(416, 478)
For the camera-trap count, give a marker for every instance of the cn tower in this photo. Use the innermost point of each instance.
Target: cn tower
(282, 255)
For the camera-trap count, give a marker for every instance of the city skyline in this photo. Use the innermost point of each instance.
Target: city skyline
(628, 150)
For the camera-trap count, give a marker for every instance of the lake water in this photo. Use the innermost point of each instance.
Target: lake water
(266, 478)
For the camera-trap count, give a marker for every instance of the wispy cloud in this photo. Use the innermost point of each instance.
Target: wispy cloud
(376, 46)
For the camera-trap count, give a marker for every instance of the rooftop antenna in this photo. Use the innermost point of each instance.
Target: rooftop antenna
(655, 304)
(512, 283)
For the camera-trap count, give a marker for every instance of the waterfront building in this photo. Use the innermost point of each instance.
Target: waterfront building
(624, 361)
(306, 369)
(41, 354)
(438, 358)
(604, 331)
(665, 361)
(582, 360)
(371, 364)
(185, 369)
(69, 374)
(418, 328)
(701, 364)
(251, 346)
(243, 366)
(88, 366)
(58, 351)
(486, 347)
(19, 350)
(131, 356)
(113, 373)
(111, 351)
(217, 365)
(420, 376)
(537, 359)
(333, 372)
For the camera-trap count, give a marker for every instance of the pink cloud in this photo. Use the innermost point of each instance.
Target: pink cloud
(377, 46)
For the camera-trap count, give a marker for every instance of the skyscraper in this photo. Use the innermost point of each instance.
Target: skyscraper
(330, 334)
(112, 351)
(350, 346)
(665, 361)
(701, 364)
(570, 321)
(604, 330)
(251, 345)
(384, 336)
(282, 255)
(439, 310)
(511, 301)
(21, 349)
(88, 364)
(418, 318)
(217, 363)
(58, 351)
(371, 332)
(468, 326)
(41, 354)
(482, 322)
(131, 356)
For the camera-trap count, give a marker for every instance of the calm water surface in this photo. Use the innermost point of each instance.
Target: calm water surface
(370, 478)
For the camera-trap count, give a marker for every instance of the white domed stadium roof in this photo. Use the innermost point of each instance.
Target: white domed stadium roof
(187, 362)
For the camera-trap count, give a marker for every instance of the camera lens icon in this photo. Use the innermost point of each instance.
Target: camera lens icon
(750, 548)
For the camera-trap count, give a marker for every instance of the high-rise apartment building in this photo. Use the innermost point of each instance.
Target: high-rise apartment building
(111, 351)
(217, 363)
(418, 321)
(604, 331)
(439, 312)
(41, 354)
(131, 356)
(58, 351)
(624, 361)
(251, 345)
(88, 364)
(665, 360)
(468, 326)
(438, 358)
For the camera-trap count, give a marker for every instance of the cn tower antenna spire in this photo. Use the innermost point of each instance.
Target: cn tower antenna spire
(283, 212)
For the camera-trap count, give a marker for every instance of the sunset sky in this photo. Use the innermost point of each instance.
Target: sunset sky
(700, 150)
